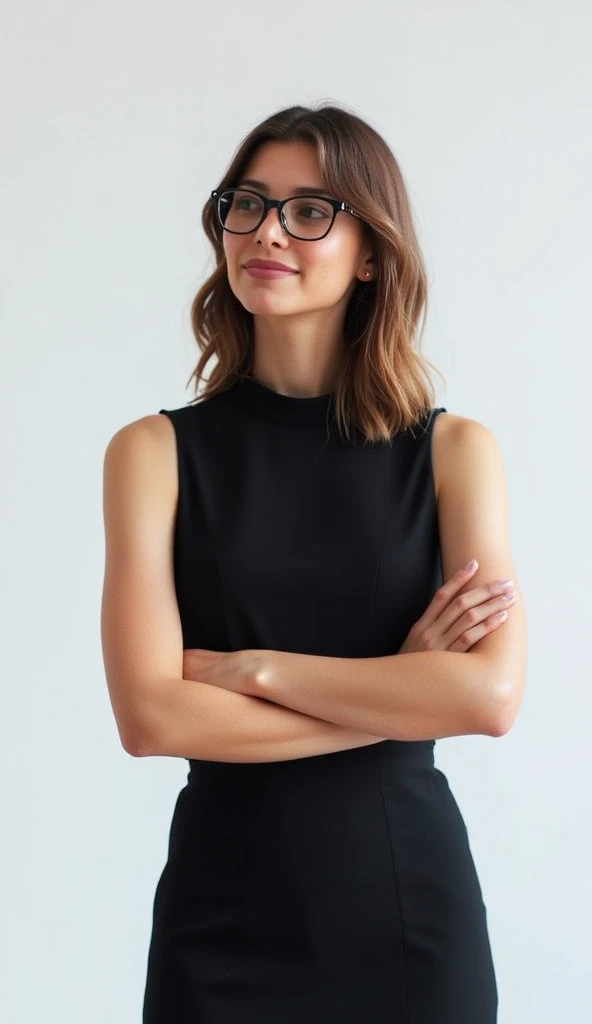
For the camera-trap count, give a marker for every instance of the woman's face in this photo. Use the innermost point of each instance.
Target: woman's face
(327, 269)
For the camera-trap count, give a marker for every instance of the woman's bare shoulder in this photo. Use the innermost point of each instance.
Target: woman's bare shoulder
(148, 446)
(450, 435)
(154, 424)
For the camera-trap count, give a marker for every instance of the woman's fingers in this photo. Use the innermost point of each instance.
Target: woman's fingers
(451, 615)
(476, 605)
(443, 596)
(469, 637)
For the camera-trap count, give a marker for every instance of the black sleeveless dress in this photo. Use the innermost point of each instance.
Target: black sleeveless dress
(339, 888)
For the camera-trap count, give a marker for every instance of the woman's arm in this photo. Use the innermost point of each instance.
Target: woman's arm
(431, 694)
(196, 720)
(157, 709)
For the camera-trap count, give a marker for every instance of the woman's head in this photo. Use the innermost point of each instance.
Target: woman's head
(366, 274)
(325, 270)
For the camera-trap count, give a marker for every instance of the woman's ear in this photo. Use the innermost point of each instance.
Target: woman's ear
(366, 272)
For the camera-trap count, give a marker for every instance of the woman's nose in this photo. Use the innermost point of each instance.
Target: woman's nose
(270, 229)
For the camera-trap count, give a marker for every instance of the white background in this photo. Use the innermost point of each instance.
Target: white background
(116, 121)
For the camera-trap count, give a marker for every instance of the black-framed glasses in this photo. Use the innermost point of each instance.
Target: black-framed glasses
(308, 218)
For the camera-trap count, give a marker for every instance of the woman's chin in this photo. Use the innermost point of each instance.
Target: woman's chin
(273, 305)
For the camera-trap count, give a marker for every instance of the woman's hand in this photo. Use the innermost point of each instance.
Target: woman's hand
(452, 623)
(230, 670)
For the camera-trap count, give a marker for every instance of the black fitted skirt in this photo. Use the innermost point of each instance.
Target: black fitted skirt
(336, 889)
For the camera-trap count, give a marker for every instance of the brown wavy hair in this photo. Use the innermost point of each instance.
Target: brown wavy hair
(383, 384)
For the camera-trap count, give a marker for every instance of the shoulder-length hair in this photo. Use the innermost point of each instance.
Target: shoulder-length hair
(383, 383)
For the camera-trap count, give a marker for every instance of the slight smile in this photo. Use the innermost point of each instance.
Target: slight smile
(269, 269)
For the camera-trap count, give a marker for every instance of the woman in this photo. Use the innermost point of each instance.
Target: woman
(274, 611)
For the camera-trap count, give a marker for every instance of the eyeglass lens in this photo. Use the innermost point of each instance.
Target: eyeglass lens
(306, 216)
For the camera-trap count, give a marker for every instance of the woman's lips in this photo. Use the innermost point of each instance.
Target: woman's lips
(269, 272)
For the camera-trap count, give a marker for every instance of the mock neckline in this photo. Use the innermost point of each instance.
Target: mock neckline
(260, 400)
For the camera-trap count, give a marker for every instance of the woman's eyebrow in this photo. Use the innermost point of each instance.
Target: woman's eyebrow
(299, 190)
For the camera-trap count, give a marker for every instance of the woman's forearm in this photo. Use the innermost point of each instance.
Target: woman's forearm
(195, 720)
(415, 696)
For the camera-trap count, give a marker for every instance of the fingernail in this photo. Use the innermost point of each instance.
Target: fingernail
(471, 565)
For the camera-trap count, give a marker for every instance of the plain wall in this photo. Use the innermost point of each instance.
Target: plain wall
(117, 121)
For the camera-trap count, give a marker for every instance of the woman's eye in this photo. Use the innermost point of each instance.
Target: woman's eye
(312, 212)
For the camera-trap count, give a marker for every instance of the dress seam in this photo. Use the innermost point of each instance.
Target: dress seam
(396, 880)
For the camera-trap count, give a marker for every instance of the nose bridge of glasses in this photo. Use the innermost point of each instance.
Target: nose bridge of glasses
(268, 206)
